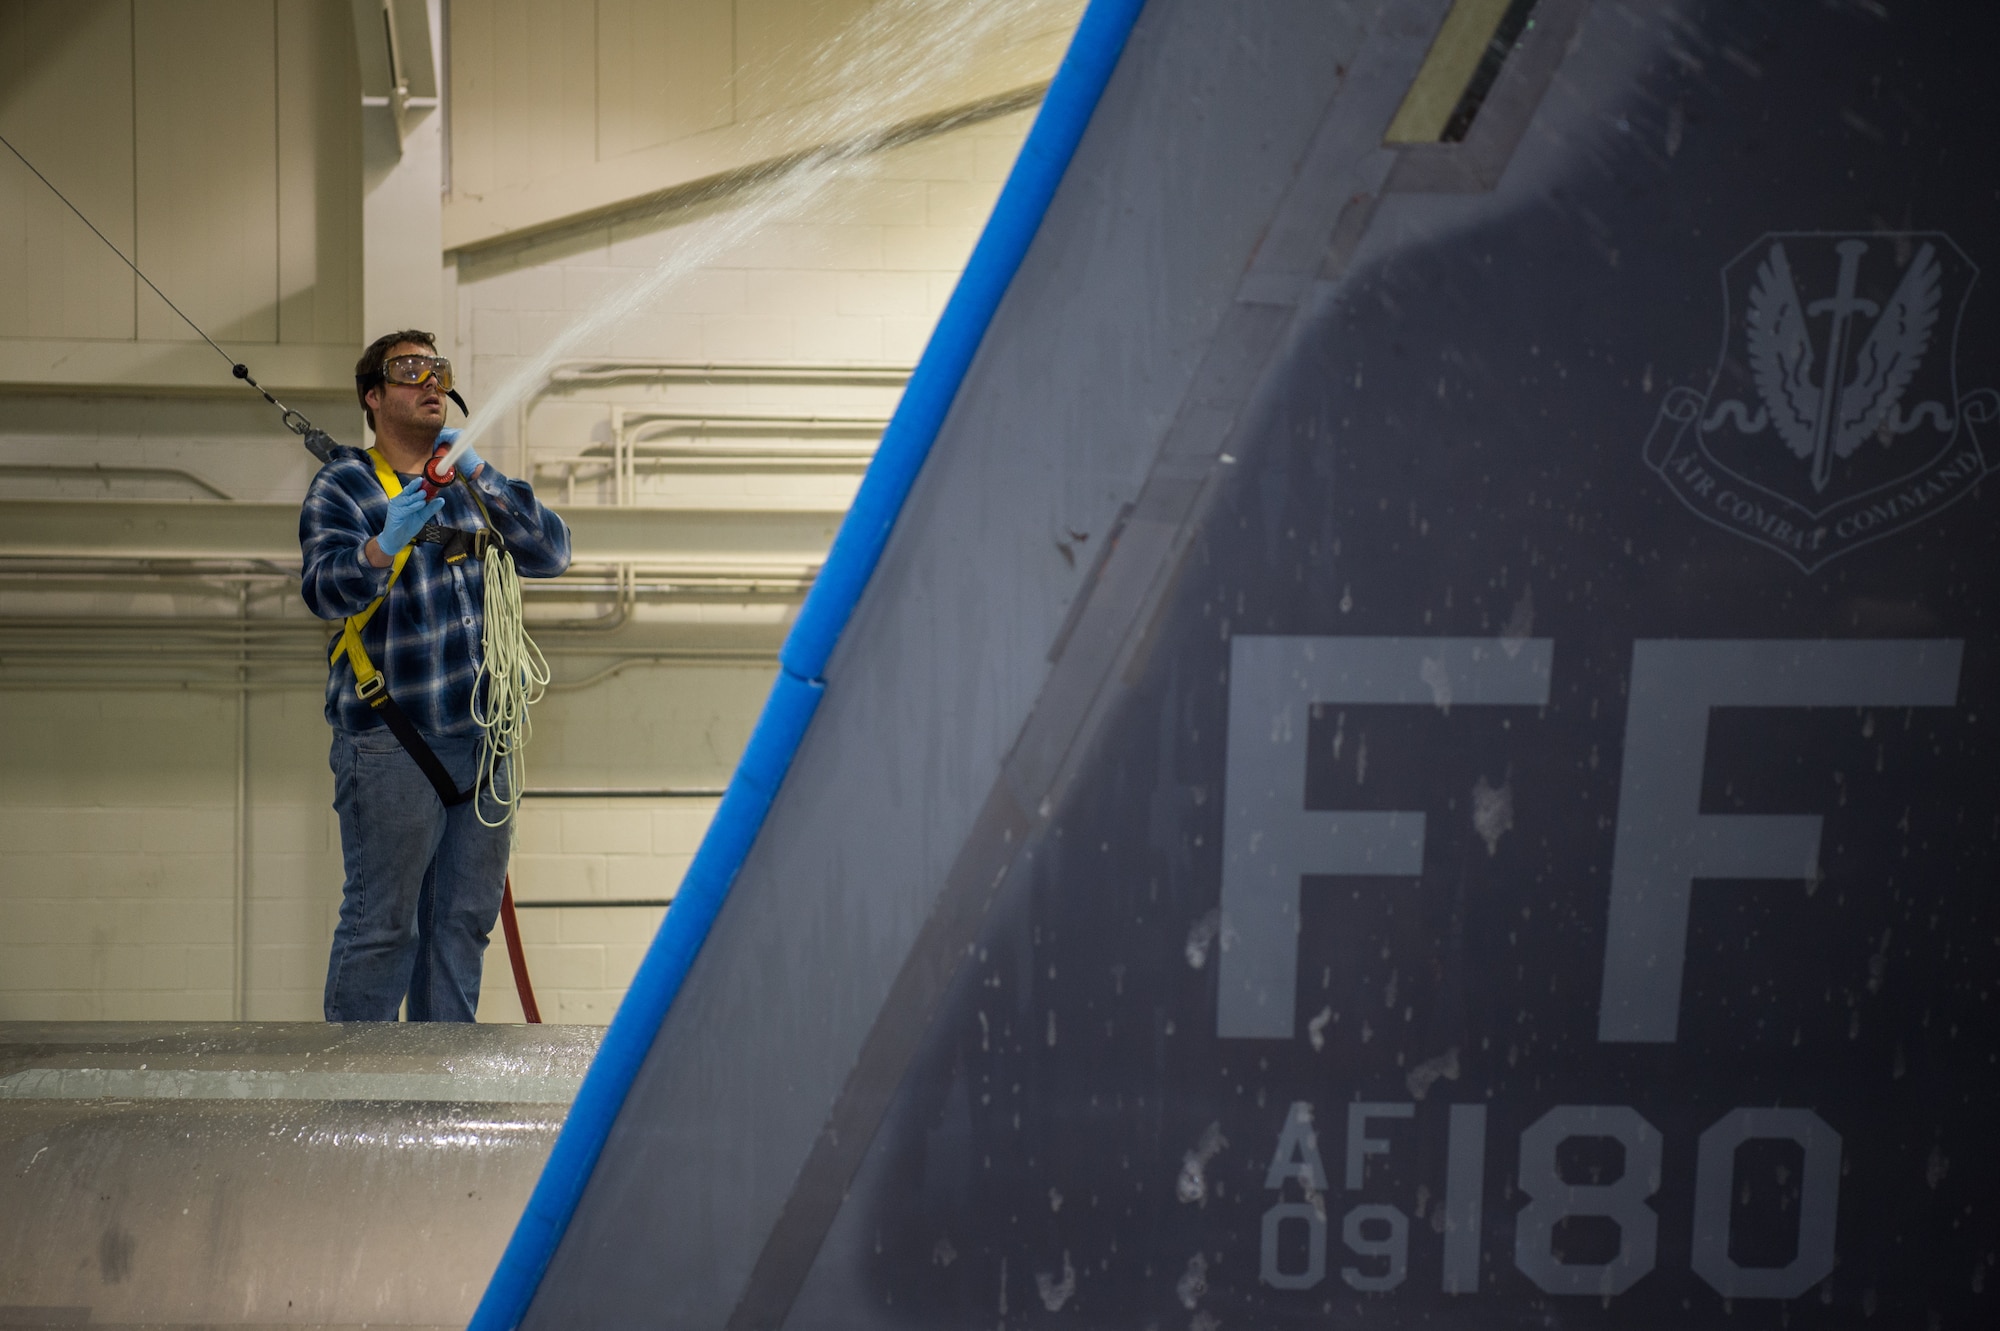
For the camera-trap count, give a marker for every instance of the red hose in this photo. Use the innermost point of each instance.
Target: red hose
(516, 955)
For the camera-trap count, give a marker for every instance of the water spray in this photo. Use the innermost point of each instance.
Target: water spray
(885, 82)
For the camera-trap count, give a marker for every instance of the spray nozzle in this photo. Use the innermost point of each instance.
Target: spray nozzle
(438, 473)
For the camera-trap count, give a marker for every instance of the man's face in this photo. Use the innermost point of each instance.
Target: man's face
(408, 408)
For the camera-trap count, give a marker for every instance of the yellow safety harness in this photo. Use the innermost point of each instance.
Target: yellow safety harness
(369, 684)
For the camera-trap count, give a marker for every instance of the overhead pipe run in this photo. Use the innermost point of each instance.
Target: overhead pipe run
(818, 373)
(195, 529)
(621, 464)
(100, 471)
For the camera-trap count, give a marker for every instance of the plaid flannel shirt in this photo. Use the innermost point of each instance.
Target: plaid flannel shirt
(426, 638)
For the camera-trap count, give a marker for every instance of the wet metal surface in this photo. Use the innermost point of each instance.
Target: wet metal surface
(285, 1174)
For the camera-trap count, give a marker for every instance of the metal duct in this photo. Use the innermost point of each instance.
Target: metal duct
(293, 1174)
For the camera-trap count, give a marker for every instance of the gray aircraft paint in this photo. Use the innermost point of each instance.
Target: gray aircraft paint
(1271, 840)
(1665, 842)
(962, 1050)
(1091, 363)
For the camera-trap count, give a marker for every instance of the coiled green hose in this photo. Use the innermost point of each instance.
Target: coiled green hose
(514, 673)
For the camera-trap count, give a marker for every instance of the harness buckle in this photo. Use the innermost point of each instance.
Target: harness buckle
(367, 689)
(458, 545)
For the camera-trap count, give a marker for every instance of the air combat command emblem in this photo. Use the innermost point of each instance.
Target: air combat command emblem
(1834, 416)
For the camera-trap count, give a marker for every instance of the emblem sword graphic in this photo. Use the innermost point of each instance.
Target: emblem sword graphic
(1841, 306)
(1824, 399)
(1830, 419)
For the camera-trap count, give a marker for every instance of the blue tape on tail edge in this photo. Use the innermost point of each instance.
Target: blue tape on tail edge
(1003, 244)
(1017, 215)
(780, 727)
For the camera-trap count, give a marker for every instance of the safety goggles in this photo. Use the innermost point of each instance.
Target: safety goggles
(417, 370)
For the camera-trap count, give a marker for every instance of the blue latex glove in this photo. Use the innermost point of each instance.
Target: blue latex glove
(408, 512)
(468, 461)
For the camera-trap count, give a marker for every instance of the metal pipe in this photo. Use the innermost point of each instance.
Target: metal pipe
(240, 914)
(620, 613)
(603, 372)
(790, 457)
(212, 1162)
(160, 641)
(35, 573)
(586, 903)
(177, 671)
(617, 447)
(521, 442)
(69, 684)
(614, 370)
(631, 427)
(618, 668)
(100, 470)
(749, 421)
(203, 529)
(626, 792)
(647, 580)
(209, 622)
(628, 480)
(139, 657)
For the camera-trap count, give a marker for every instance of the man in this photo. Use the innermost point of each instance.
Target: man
(424, 876)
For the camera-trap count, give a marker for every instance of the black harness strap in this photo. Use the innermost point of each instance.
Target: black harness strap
(413, 743)
(457, 545)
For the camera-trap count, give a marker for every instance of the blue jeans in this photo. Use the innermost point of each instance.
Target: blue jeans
(423, 883)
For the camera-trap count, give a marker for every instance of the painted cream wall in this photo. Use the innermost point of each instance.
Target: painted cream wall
(214, 141)
(117, 807)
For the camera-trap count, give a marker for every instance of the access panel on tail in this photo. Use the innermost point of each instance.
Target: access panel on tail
(1423, 750)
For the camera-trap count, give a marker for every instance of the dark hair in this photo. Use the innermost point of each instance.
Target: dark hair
(368, 370)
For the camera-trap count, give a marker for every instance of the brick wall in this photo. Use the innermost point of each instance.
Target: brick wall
(117, 818)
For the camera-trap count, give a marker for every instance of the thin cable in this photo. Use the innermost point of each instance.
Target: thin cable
(514, 673)
(121, 255)
(317, 441)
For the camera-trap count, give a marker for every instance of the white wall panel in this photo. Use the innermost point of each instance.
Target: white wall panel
(524, 91)
(205, 103)
(66, 102)
(214, 141)
(663, 71)
(319, 162)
